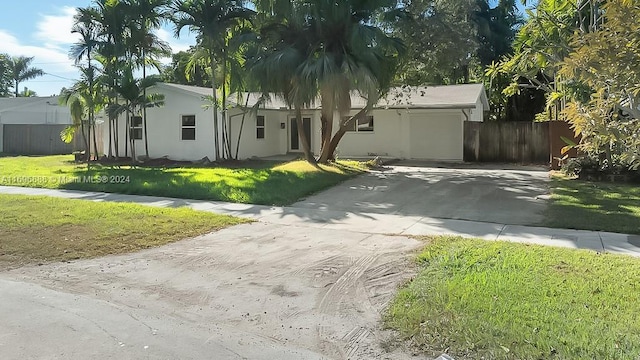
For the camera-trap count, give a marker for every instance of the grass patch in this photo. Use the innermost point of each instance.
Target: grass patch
(578, 204)
(38, 229)
(476, 299)
(265, 183)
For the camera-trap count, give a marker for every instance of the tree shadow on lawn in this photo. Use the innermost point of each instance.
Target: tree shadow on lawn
(595, 206)
(242, 185)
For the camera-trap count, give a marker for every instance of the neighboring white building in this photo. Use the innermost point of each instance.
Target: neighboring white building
(411, 123)
(44, 111)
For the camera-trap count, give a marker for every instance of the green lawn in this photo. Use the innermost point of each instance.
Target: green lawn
(577, 204)
(265, 183)
(35, 229)
(477, 299)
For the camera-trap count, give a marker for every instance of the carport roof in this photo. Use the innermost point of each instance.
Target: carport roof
(464, 96)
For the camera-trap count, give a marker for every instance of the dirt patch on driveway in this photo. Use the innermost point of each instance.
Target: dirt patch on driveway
(257, 291)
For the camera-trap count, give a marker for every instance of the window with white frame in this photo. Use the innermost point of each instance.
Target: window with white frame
(361, 125)
(260, 127)
(136, 128)
(188, 127)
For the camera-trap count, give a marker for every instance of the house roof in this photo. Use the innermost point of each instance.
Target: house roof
(464, 96)
(187, 89)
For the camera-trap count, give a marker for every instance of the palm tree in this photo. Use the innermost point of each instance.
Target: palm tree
(112, 18)
(148, 15)
(133, 92)
(20, 70)
(349, 54)
(273, 62)
(212, 21)
(85, 25)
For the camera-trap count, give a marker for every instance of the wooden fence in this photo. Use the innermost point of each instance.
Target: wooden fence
(512, 142)
(35, 139)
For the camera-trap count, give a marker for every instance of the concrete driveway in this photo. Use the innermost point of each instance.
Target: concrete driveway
(512, 195)
(255, 291)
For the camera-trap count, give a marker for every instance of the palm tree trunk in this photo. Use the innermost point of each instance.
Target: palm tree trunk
(333, 145)
(144, 106)
(327, 129)
(302, 135)
(116, 138)
(127, 134)
(95, 142)
(84, 136)
(216, 142)
(244, 115)
(110, 153)
(89, 137)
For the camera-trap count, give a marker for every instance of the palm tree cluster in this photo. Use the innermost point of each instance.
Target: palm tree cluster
(302, 51)
(116, 38)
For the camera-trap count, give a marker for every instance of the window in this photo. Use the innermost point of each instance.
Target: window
(361, 125)
(136, 128)
(188, 127)
(260, 127)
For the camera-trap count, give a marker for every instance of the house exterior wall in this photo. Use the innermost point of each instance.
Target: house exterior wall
(477, 114)
(32, 111)
(275, 138)
(409, 134)
(164, 129)
(384, 140)
(437, 135)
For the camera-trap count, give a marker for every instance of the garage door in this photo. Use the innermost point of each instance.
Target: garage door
(437, 137)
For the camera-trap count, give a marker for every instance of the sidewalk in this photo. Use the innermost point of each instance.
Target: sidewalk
(372, 223)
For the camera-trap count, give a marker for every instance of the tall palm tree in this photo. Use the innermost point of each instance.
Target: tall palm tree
(148, 15)
(86, 26)
(112, 18)
(212, 21)
(20, 70)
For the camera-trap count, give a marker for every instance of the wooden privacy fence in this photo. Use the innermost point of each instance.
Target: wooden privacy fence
(36, 139)
(513, 142)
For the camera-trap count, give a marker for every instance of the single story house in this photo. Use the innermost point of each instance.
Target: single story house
(410, 123)
(32, 125)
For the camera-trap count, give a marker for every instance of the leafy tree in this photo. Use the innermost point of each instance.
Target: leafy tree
(5, 76)
(607, 60)
(20, 70)
(183, 71)
(541, 45)
(26, 92)
(440, 38)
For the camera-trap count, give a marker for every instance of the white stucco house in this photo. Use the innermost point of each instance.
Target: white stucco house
(411, 123)
(29, 122)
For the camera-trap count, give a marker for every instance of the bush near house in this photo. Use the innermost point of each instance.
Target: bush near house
(476, 299)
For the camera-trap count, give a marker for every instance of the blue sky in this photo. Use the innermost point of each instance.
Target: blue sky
(42, 29)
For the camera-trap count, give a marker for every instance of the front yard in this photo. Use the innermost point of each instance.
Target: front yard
(266, 183)
(476, 299)
(600, 206)
(36, 229)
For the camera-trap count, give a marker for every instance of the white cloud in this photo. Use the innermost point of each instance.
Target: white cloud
(56, 59)
(55, 30)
